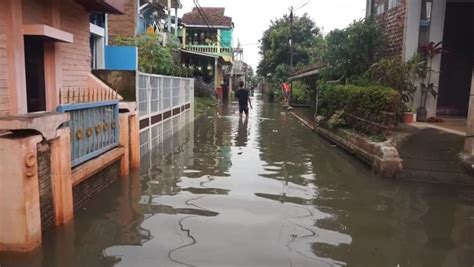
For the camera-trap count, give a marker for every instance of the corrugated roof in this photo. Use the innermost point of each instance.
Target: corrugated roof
(215, 14)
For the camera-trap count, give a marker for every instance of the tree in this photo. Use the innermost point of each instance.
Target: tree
(274, 47)
(350, 52)
(153, 57)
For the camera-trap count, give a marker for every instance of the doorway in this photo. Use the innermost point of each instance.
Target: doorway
(34, 67)
(457, 62)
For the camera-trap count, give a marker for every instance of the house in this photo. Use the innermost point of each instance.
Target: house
(410, 24)
(141, 15)
(206, 40)
(64, 136)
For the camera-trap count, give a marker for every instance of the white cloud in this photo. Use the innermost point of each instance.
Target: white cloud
(252, 17)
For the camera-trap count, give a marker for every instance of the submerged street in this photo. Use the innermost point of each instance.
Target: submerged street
(226, 191)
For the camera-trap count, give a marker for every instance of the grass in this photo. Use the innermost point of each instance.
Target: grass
(201, 104)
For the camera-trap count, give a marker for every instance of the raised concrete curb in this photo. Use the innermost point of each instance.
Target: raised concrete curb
(382, 157)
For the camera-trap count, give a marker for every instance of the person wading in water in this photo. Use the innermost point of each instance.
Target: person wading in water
(244, 99)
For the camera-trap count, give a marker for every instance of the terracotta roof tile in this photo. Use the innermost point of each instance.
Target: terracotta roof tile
(215, 14)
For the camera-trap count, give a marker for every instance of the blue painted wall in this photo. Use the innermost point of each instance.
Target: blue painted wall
(226, 38)
(121, 58)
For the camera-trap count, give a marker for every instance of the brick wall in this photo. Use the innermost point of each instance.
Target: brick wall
(393, 23)
(45, 188)
(84, 191)
(35, 11)
(76, 57)
(4, 105)
(123, 25)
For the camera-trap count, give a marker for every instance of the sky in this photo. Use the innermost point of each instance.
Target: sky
(252, 17)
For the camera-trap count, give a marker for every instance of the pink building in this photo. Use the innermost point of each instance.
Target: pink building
(60, 126)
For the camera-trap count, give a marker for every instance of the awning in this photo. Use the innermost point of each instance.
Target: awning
(48, 32)
(224, 60)
(199, 54)
(305, 74)
(307, 71)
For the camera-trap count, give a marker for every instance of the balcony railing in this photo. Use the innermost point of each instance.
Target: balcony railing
(94, 123)
(209, 49)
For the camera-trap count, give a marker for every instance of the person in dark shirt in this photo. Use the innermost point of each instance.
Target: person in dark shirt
(244, 99)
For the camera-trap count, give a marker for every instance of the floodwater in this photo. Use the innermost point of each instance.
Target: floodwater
(226, 191)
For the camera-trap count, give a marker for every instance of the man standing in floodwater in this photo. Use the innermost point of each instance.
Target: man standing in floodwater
(244, 99)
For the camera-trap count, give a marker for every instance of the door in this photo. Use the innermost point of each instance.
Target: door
(34, 67)
(457, 62)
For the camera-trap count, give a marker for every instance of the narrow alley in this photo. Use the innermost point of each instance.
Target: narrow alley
(262, 191)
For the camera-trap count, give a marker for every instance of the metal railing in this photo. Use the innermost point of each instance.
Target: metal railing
(208, 49)
(95, 128)
(158, 94)
(160, 100)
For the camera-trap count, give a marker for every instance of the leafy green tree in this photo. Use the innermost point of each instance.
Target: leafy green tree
(350, 52)
(275, 48)
(153, 57)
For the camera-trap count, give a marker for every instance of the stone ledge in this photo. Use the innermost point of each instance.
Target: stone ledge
(46, 123)
(93, 166)
(382, 157)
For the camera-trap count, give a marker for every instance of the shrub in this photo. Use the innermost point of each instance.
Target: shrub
(394, 73)
(370, 109)
(301, 92)
(203, 89)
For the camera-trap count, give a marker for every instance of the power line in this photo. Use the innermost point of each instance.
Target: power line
(204, 16)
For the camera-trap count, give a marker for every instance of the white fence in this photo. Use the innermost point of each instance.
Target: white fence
(164, 104)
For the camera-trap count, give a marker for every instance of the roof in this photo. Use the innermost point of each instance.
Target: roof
(225, 60)
(163, 3)
(215, 15)
(308, 70)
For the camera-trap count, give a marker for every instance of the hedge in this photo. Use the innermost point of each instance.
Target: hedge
(371, 109)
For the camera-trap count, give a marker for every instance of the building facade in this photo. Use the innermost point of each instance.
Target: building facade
(206, 38)
(410, 24)
(60, 126)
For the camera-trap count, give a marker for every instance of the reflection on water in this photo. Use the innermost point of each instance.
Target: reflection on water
(262, 191)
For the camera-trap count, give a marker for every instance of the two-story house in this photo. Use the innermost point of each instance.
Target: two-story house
(207, 46)
(141, 16)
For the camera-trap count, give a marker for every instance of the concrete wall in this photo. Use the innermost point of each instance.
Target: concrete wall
(122, 81)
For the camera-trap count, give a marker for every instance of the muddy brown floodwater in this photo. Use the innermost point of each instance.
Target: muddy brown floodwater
(266, 191)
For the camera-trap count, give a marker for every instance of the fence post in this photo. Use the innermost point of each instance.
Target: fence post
(61, 177)
(124, 137)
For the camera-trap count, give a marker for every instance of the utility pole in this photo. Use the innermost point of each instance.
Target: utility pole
(291, 38)
(291, 55)
(169, 16)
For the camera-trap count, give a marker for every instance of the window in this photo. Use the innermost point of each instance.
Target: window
(380, 9)
(393, 3)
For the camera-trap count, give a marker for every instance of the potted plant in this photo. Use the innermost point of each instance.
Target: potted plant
(429, 51)
(408, 115)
